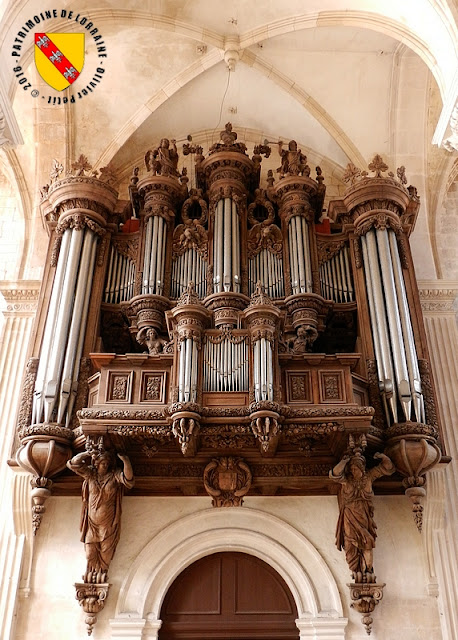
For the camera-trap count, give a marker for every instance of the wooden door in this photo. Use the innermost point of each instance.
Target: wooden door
(232, 596)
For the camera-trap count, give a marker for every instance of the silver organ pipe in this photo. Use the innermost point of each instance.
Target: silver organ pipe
(56, 356)
(226, 247)
(225, 363)
(394, 322)
(299, 255)
(188, 370)
(50, 326)
(189, 267)
(267, 268)
(335, 277)
(154, 256)
(263, 370)
(60, 355)
(386, 382)
(147, 254)
(407, 331)
(236, 248)
(120, 280)
(397, 364)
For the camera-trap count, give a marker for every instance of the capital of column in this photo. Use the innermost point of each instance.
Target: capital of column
(160, 194)
(78, 200)
(296, 196)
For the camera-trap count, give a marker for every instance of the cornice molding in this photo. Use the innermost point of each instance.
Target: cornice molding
(438, 296)
(19, 295)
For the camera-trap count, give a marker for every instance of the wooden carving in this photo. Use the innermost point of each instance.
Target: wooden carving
(356, 528)
(163, 160)
(103, 489)
(293, 161)
(148, 336)
(227, 480)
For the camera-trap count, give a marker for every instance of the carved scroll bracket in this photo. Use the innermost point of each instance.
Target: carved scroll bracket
(365, 597)
(92, 598)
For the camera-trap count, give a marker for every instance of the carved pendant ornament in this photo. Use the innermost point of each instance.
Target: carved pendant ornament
(217, 315)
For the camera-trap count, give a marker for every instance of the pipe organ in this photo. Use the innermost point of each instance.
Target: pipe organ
(120, 282)
(225, 321)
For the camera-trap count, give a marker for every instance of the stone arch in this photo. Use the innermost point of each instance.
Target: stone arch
(238, 529)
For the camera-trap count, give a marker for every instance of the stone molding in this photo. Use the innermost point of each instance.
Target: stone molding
(438, 296)
(20, 296)
(320, 613)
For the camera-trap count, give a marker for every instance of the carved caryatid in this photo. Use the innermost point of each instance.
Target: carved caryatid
(103, 488)
(227, 480)
(356, 528)
(148, 336)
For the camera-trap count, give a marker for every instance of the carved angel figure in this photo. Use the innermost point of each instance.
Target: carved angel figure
(356, 529)
(293, 161)
(103, 488)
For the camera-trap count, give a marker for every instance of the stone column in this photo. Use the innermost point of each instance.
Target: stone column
(18, 302)
(438, 301)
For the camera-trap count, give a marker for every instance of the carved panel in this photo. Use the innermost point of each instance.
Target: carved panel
(119, 388)
(332, 388)
(152, 389)
(299, 387)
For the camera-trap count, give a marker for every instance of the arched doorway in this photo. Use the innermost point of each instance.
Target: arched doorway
(229, 596)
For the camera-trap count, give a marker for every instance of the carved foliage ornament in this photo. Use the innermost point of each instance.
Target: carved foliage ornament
(227, 480)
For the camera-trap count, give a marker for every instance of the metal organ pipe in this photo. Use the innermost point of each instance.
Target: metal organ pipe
(392, 329)
(120, 278)
(50, 326)
(226, 247)
(394, 322)
(335, 277)
(409, 342)
(380, 314)
(154, 256)
(56, 384)
(56, 356)
(81, 331)
(75, 324)
(147, 255)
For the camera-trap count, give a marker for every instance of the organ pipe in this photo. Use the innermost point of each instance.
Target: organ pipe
(120, 280)
(190, 266)
(154, 255)
(225, 364)
(394, 346)
(299, 253)
(335, 278)
(226, 247)
(56, 384)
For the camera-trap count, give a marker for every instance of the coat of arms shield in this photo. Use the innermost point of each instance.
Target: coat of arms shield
(59, 58)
